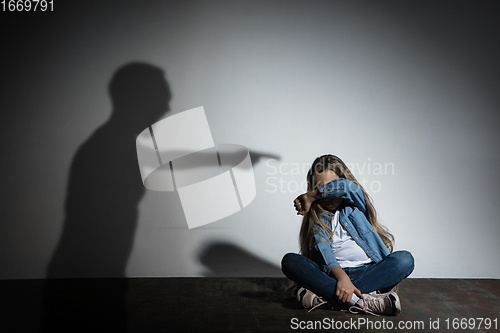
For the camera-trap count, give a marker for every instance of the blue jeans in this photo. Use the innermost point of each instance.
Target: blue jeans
(381, 276)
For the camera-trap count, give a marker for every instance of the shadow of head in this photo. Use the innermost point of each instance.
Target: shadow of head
(260, 280)
(140, 87)
(229, 260)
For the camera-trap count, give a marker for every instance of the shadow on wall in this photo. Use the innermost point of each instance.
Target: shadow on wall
(101, 208)
(224, 259)
(228, 260)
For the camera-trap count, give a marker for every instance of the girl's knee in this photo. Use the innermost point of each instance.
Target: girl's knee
(405, 260)
(288, 259)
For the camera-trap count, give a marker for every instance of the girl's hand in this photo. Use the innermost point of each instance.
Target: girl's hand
(304, 201)
(345, 289)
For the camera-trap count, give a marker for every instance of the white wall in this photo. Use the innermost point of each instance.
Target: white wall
(411, 86)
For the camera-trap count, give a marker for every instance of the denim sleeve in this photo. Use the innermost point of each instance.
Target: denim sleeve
(345, 189)
(323, 250)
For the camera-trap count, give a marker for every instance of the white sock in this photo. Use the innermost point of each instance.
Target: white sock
(354, 299)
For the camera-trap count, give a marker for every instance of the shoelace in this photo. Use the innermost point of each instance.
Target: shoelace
(367, 304)
(320, 303)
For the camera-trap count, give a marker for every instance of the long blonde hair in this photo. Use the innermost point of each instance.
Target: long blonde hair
(306, 237)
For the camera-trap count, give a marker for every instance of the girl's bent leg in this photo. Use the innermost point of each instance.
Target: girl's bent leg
(306, 273)
(386, 274)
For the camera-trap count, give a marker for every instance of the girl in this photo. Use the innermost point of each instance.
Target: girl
(346, 258)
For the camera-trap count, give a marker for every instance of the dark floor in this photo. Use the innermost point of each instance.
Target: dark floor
(229, 305)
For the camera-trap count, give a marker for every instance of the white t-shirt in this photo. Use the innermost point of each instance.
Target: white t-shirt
(345, 248)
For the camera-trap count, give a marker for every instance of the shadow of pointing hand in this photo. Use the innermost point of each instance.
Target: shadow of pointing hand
(257, 156)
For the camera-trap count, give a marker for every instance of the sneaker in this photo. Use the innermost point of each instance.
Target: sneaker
(309, 300)
(291, 292)
(387, 304)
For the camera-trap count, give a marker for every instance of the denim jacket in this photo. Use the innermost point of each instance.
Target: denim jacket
(352, 216)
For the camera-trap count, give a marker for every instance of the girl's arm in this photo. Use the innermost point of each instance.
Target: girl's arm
(328, 263)
(337, 188)
(303, 202)
(323, 250)
(345, 189)
(345, 288)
